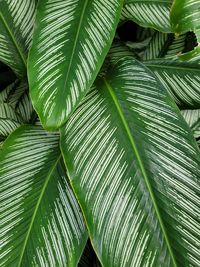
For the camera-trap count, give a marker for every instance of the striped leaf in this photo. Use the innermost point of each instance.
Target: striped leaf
(164, 45)
(185, 16)
(192, 117)
(16, 25)
(182, 80)
(7, 126)
(40, 220)
(132, 159)
(151, 13)
(70, 42)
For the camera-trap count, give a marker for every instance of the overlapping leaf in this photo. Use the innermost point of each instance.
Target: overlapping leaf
(70, 42)
(164, 45)
(151, 13)
(185, 16)
(16, 25)
(133, 160)
(40, 220)
(192, 117)
(181, 79)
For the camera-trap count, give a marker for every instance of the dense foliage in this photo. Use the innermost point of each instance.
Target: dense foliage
(99, 132)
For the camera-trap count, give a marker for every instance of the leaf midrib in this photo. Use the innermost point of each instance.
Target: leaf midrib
(36, 209)
(75, 42)
(143, 171)
(169, 65)
(13, 39)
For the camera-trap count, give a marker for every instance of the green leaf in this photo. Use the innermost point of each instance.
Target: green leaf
(40, 220)
(185, 16)
(164, 45)
(192, 117)
(149, 13)
(132, 159)
(70, 43)
(7, 126)
(181, 79)
(16, 25)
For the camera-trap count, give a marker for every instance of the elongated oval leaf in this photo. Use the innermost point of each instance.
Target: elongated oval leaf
(70, 42)
(151, 13)
(16, 25)
(132, 159)
(181, 79)
(40, 220)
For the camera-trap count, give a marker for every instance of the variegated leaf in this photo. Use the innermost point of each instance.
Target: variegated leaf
(133, 161)
(151, 13)
(192, 117)
(40, 220)
(185, 16)
(164, 45)
(181, 79)
(16, 26)
(70, 42)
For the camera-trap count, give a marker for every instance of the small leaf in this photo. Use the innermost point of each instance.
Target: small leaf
(151, 13)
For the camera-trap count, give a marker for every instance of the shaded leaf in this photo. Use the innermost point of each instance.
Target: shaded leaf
(181, 79)
(151, 13)
(16, 25)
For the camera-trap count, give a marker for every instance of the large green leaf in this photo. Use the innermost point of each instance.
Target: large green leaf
(181, 79)
(40, 220)
(16, 25)
(148, 13)
(70, 42)
(132, 160)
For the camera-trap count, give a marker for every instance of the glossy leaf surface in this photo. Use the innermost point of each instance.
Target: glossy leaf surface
(16, 26)
(139, 175)
(70, 42)
(151, 13)
(185, 16)
(40, 220)
(181, 79)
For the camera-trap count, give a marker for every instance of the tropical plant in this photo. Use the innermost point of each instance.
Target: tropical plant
(99, 133)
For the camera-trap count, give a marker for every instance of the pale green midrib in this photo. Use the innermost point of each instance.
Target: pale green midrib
(125, 124)
(172, 67)
(13, 39)
(75, 42)
(36, 209)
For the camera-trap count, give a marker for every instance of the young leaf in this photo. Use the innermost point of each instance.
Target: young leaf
(151, 13)
(40, 220)
(70, 42)
(132, 160)
(16, 25)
